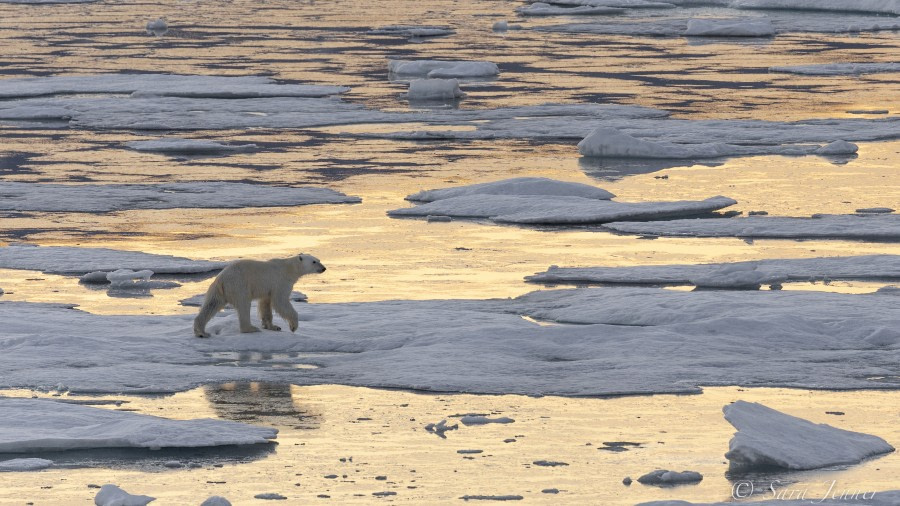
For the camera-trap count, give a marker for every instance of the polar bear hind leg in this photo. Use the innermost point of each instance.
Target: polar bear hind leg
(265, 314)
(212, 304)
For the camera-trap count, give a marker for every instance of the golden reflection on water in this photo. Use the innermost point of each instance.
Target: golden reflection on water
(381, 433)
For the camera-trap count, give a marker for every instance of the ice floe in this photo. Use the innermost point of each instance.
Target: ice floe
(189, 146)
(630, 340)
(168, 85)
(111, 495)
(873, 6)
(732, 275)
(216, 500)
(744, 27)
(767, 438)
(545, 9)
(442, 68)
(56, 426)
(838, 69)
(76, 260)
(433, 89)
(515, 186)
(29, 464)
(413, 31)
(865, 226)
(157, 27)
(663, 477)
(104, 198)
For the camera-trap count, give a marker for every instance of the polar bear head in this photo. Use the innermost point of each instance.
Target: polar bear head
(309, 264)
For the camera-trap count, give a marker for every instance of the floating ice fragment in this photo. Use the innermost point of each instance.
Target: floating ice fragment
(434, 90)
(515, 186)
(111, 495)
(440, 428)
(663, 477)
(875, 210)
(500, 26)
(30, 464)
(838, 148)
(545, 9)
(157, 27)
(483, 420)
(270, 496)
(189, 146)
(96, 263)
(216, 501)
(549, 463)
(744, 27)
(443, 68)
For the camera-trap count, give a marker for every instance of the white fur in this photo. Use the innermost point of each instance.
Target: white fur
(270, 282)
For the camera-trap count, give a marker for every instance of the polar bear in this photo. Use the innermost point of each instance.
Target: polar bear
(270, 282)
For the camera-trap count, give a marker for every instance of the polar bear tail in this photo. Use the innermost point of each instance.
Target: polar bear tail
(212, 304)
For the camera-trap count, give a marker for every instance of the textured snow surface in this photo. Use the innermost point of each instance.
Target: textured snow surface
(434, 89)
(25, 464)
(76, 260)
(515, 186)
(117, 197)
(631, 340)
(768, 438)
(887, 498)
(839, 69)
(170, 85)
(54, 426)
(111, 495)
(188, 146)
(442, 68)
(865, 226)
(746, 27)
(732, 275)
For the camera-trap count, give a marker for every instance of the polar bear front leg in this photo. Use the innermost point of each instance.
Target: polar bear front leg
(284, 308)
(242, 305)
(265, 314)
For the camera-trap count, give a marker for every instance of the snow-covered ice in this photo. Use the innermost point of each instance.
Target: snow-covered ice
(732, 275)
(515, 186)
(659, 340)
(76, 260)
(864, 226)
(55, 426)
(663, 477)
(442, 68)
(434, 89)
(28, 464)
(197, 300)
(111, 495)
(104, 198)
(546, 9)
(839, 69)
(743, 27)
(767, 438)
(189, 146)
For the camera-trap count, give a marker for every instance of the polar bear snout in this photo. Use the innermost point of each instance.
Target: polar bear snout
(321, 268)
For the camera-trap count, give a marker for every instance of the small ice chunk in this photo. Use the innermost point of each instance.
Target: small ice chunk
(94, 278)
(434, 90)
(30, 464)
(111, 495)
(216, 500)
(483, 420)
(270, 496)
(157, 27)
(545, 9)
(662, 477)
(610, 142)
(741, 27)
(440, 428)
(189, 146)
(838, 148)
(443, 68)
(549, 463)
(491, 498)
(516, 186)
(500, 26)
(875, 210)
(768, 438)
(173, 464)
(413, 31)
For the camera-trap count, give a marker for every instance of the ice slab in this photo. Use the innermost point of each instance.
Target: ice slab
(546, 9)
(29, 464)
(413, 31)
(558, 210)
(169, 85)
(744, 27)
(838, 69)
(767, 438)
(732, 275)
(664, 477)
(56, 426)
(111, 495)
(434, 89)
(75, 260)
(189, 146)
(873, 6)
(96, 198)
(630, 340)
(864, 226)
(442, 68)
(515, 186)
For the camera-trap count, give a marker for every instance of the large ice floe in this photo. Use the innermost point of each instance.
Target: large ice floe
(838, 69)
(869, 498)
(76, 260)
(104, 198)
(543, 201)
(55, 426)
(881, 227)
(767, 439)
(627, 341)
(189, 146)
(546, 9)
(442, 68)
(711, 27)
(741, 275)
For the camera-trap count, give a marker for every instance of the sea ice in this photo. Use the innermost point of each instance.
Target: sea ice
(838, 69)
(746, 27)
(732, 275)
(189, 146)
(873, 6)
(838, 148)
(483, 420)
(767, 438)
(56, 426)
(97, 261)
(852, 226)
(442, 68)
(886, 498)
(662, 477)
(104, 198)
(515, 186)
(500, 26)
(197, 300)
(412, 31)
(216, 500)
(434, 89)
(29, 464)
(111, 495)
(545, 9)
(157, 27)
